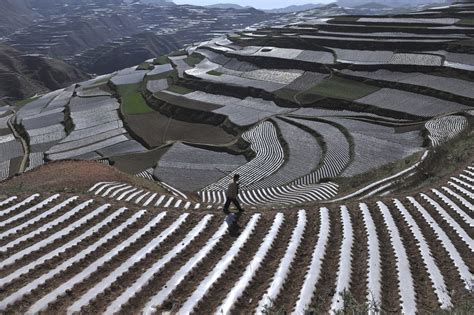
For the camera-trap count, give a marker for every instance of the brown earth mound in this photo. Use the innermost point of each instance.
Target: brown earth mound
(71, 176)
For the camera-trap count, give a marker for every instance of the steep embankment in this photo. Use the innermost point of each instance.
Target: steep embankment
(22, 76)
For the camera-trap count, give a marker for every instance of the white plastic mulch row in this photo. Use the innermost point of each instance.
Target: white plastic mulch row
(337, 155)
(236, 292)
(462, 190)
(148, 275)
(90, 148)
(281, 273)
(10, 149)
(85, 273)
(52, 238)
(67, 263)
(389, 20)
(302, 157)
(460, 198)
(287, 194)
(434, 273)
(159, 298)
(120, 191)
(27, 212)
(4, 170)
(92, 231)
(269, 157)
(220, 267)
(8, 201)
(345, 261)
(420, 105)
(464, 216)
(416, 59)
(374, 277)
(444, 128)
(125, 266)
(35, 160)
(313, 273)
(19, 205)
(441, 235)
(405, 279)
(450, 221)
(445, 84)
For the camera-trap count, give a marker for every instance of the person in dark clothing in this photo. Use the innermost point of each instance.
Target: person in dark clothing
(232, 194)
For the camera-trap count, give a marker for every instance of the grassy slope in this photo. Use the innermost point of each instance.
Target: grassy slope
(337, 87)
(179, 89)
(132, 100)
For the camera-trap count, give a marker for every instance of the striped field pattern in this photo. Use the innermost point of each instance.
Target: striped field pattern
(66, 254)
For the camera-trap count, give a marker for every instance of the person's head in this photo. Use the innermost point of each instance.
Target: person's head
(236, 177)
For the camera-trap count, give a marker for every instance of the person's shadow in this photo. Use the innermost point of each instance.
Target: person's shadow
(232, 221)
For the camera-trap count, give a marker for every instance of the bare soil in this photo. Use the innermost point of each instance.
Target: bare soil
(156, 129)
(70, 177)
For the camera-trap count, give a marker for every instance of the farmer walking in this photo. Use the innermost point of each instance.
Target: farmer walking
(232, 194)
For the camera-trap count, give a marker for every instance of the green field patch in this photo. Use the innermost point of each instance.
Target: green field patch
(179, 89)
(26, 101)
(162, 60)
(178, 53)
(469, 22)
(193, 59)
(156, 129)
(145, 66)
(132, 100)
(286, 94)
(343, 18)
(336, 87)
(215, 73)
(164, 75)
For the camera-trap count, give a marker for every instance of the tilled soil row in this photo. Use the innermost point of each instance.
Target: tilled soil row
(33, 240)
(99, 304)
(31, 215)
(463, 249)
(326, 285)
(219, 290)
(38, 224)
(445, 264)
(137, 303)
(194, 278)
(390, 300)
(469, 230)
(251, 296)
(360, 257)
(291, 290)
(84, 263)
(426, 299)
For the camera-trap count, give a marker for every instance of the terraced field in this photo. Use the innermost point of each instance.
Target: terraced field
(297, 110)
(67, 254)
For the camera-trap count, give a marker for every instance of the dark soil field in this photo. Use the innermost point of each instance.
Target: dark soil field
(156, 129)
